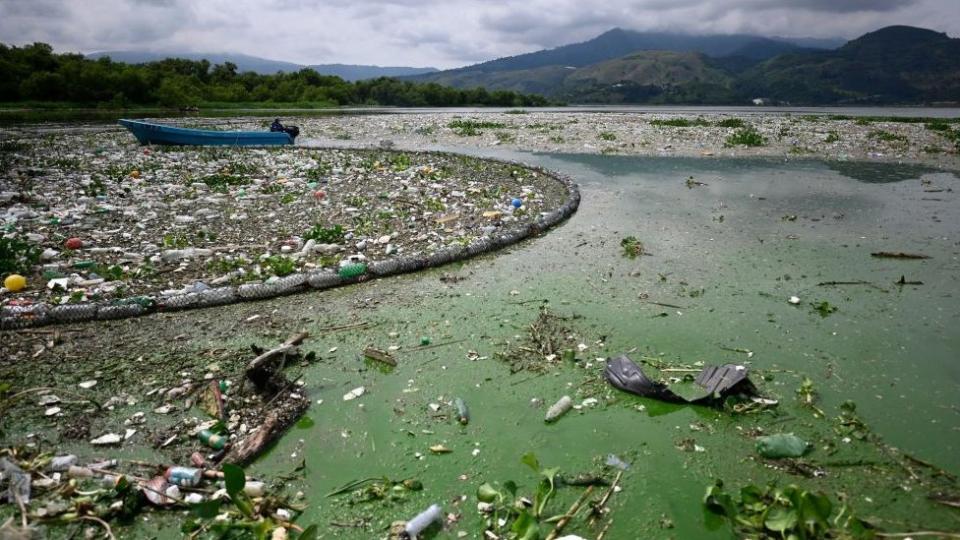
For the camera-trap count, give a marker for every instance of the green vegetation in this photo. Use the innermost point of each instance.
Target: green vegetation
(952, 134)
(607, 136)
(632, 248)
(680, 122)
(221, 182)
(471, 128)
(34, 74)
(698, 122)
(824, 308)
(279, 265)
(832, 137)
(325, 235)
(17, 255)
(886, 136)
(790, 512)
(731, 123)
(512, 518)
(747, 136)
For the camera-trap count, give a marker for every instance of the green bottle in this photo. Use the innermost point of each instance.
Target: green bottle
(213, 440)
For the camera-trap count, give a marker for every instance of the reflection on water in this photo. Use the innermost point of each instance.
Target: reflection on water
(880, 173)
(862, 171)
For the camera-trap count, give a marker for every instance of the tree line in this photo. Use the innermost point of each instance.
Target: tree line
(35, 73)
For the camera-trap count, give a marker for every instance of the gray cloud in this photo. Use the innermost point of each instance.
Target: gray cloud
(441, 33)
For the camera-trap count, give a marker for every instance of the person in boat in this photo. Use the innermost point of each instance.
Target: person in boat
(293, 131)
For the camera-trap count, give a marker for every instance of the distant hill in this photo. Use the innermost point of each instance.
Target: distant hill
(265, 66)
(244, 62)
(618, 42)
(897, 64)
(351, 72)
(649, 76)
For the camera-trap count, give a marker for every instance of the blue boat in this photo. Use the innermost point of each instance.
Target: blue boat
(148, 133)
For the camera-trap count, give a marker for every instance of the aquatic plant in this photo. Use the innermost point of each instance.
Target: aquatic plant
(470, 128)
(17, 255)
(680, 122)
(731, 123)
(747, 136)
(886, 136)
(632, 248)
(789, 512)
(325, 235)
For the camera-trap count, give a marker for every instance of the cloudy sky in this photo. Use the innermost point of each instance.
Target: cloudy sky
(439, 33)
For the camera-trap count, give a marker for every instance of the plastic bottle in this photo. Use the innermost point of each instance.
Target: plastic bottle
(211, 439)
(183, 476)
(254, 489)
(559, 408)
(62, 463)
(463, 413)
(352, 270)
(423, 520)
(79, 472)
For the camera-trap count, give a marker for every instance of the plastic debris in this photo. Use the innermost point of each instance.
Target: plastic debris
(782, 445)
(354, 394)
(463, 413)
(211, 439)
(558, 409)
(17, 481)
(62, 463)
(421, 522)
(15, 282)
(183, 476)
(714, 383)
(108, 439)
(614, 461)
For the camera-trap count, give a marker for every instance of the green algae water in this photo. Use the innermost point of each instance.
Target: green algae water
(726, 244)
(727, 255)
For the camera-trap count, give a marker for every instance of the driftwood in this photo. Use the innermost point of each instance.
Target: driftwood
(278, 420)
(380, 356)
(898, 255)
(281, 408)
(263, 371)
(558, 528)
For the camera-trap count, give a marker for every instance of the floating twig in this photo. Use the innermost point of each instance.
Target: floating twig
(858, 282)
(898, 255)
(374, 353)
(558, 528)
(607, 495)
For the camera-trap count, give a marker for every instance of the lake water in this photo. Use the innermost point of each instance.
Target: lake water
(726, 256)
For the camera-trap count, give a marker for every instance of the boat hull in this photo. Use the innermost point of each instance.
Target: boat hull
(148, 133)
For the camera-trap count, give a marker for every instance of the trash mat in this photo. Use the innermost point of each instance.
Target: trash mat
(714, 383)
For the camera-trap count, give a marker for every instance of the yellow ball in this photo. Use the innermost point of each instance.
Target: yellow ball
(15, 282)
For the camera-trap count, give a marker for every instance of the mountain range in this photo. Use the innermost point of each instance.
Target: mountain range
(893, 65)
(264, 66)
(897, 64)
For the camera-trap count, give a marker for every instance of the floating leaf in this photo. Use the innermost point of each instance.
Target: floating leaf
(234, 479)
(530, 459)
(486, 493)
(780, 519)
(525, 527)
(206, 509)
